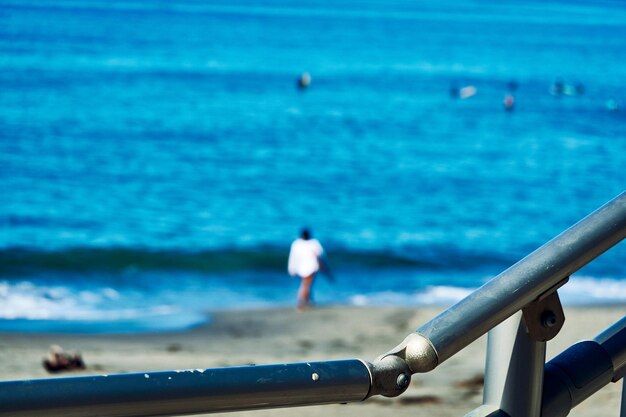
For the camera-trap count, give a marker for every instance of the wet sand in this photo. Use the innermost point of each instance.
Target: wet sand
(235, 338)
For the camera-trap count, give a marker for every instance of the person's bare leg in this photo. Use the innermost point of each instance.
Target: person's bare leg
(304, 293)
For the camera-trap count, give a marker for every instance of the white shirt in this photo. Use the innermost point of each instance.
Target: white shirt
(304, 257)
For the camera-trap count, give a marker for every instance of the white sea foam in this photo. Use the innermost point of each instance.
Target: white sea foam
(25, 300)
(100, 307)
(432, 295)
(579, 290)
(442, 294)
(591, 290)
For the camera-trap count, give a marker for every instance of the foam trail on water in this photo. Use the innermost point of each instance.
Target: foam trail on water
(591, 290)
(580, 290)
(25, 300)
(431, 295)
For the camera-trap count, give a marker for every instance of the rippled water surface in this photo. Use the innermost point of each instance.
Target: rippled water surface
(157, 159)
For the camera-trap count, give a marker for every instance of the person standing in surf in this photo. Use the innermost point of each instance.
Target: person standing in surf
(305, 260)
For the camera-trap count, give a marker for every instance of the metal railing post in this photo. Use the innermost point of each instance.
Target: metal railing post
(623, 406)
(514, 369)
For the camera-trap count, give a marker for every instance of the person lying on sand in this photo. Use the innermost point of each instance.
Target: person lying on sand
(59, 361)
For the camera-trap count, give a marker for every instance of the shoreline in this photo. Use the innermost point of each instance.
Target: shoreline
(280, 335)
(205, 319)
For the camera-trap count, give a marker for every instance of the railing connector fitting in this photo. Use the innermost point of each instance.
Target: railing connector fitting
(390, 377)
(418, 353)
(544, 317)
(391, 372)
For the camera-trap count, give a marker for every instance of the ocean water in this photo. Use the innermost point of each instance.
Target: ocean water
(157, 158)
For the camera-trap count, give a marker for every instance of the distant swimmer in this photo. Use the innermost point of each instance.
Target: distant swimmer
(304, 81)
(454, 91)
(509, 102)
(305, 260)
(612, 105)
(573, 90)
(557, 88)
(464, 92)
(467, 92)
(580, 89)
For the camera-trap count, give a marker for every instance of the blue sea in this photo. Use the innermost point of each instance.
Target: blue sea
(157, 157)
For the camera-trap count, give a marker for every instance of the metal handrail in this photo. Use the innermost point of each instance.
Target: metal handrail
(288, 385)
(191, 391)
(537, 273)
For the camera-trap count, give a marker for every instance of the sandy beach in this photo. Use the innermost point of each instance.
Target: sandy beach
(282, 335)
